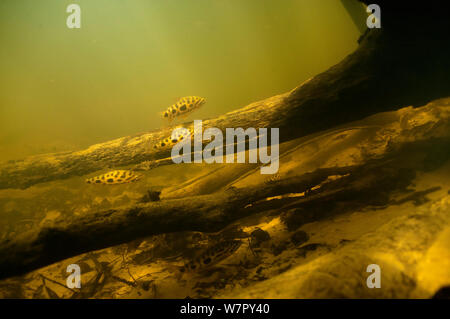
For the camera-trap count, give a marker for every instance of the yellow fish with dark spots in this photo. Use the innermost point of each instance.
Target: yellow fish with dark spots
(206, 259)
(114, 177)
(211, 256)
(178, 134)
(184, 106)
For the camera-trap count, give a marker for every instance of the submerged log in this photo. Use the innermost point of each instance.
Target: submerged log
(403, 63)
(396, 150)
(393, 67)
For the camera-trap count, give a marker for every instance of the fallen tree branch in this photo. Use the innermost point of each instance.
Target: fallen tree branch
(396, 151)
(102, 229)
(393, 67)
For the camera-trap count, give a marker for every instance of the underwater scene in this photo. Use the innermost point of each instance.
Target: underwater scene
(226, 149)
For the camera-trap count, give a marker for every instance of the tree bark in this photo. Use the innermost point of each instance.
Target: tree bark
(402, 147)
(404, 63)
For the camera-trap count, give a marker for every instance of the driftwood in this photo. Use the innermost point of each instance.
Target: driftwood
(393, 67)
(405, 146)
(403, 63)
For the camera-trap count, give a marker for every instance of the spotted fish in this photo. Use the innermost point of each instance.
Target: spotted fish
(211, 256)
(184, 106)
(114, 177)
(177, 135)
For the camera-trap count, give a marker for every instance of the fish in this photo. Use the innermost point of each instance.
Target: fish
(178, 134)
(183, 106)
(114, 177)
(211, 256)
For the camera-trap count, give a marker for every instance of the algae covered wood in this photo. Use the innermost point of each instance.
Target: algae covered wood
(386, 151)
(394, 66)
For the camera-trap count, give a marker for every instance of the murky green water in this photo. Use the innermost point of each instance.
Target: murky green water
(64, 89)
(374, 191)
